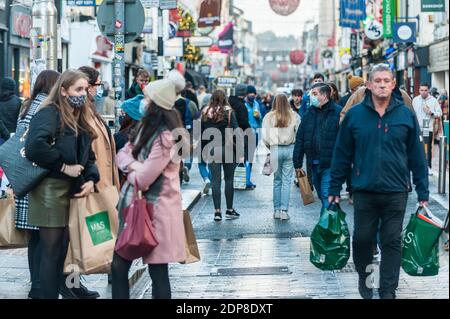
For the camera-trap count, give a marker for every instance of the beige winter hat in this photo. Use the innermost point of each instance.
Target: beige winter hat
(162, 92)
(178, 79)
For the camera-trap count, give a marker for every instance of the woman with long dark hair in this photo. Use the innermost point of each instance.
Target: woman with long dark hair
(42, 87)
(147, 161)
(59, 139)
(219, 116)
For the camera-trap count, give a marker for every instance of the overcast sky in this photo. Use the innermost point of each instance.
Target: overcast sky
(264, 19)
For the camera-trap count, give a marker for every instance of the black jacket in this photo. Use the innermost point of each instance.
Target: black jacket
(133, 91)
(4, 133)
(344, 99)
(383, 150)
(68, 148)
(9, 111)
(240, 110)
(296, 110)
(316, 135)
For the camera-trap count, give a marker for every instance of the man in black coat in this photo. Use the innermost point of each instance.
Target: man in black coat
(9, 104)
(316, 137)
(238, 105)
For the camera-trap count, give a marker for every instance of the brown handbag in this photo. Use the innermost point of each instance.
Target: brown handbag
(305, 189)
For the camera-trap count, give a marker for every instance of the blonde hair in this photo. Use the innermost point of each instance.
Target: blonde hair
(282, 110)
(75, 119)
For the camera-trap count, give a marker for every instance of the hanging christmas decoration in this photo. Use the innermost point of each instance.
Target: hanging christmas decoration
(297, 56)
(186, 24)
(192, 53)
(284, 7)
(284, 67)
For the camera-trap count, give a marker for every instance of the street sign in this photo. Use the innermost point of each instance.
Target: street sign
(201, 41)
(150, 3)
(167, 4)
(134, 20)
(226, 82)
(373, 30)
(81, 3)
(404, 32)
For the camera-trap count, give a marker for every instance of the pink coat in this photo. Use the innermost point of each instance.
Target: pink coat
(168, 213)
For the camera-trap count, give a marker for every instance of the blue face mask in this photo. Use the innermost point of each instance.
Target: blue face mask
(99, 93)
(250, 99)
(314, 101)
(142, 107)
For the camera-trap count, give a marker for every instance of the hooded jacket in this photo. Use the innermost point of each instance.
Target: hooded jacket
(383, 150)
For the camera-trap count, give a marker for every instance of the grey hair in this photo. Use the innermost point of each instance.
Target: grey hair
(381, 67)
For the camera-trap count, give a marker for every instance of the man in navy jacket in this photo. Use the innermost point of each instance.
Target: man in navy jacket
(381, 138)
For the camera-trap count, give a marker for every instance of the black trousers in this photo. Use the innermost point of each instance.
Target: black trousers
(216, 182)
(429, 142)
(159, 273)
(389, 210)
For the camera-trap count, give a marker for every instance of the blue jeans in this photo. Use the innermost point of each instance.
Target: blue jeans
(321, 181)
(204, 172)
(283, 166)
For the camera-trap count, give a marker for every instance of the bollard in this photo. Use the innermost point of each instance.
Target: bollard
(442, 164)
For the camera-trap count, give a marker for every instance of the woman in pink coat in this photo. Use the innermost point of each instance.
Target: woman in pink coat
(147, 161)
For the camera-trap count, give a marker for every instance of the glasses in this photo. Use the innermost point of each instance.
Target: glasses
(102, 84)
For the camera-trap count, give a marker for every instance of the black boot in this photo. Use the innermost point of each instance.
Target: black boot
(77, 293)
(364, 291)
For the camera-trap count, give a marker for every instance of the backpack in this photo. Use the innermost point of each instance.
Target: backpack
(188, 118)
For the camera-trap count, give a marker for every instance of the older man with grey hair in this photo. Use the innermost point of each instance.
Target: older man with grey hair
(381, 138)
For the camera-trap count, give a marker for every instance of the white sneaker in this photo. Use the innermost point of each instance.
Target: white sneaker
(276, 214)
(284, 215)
(206, 187)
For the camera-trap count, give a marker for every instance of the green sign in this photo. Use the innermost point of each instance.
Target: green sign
(99, 227)
(433, 6)
(388, 18)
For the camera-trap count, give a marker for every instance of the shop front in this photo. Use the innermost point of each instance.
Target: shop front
(439, 66)
(19, 48)
(3, 37)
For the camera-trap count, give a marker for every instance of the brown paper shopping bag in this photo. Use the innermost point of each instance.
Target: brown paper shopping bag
(93, 225)
(10, 236)
(192, 252)
(305, 188)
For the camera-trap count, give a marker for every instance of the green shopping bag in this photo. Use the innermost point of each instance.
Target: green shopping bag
(420, 244)
(330, 240)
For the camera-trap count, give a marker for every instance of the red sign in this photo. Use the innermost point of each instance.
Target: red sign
(21, 24)
(284, 7)
(209, 13)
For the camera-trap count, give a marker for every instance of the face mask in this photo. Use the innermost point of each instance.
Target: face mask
(250, 99)
(76, 101)
(142, 107)
(99, 93)
(314, 101)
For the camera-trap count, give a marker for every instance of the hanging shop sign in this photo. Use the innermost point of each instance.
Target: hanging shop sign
(373, 30)
(439, 57)
(204, 42)
(209, 13)
(388, 18)
(284, 7)
(174, 47)
(404, 32)
(81, 3)
(433, 6)
(354, 45)
(167, 4)
(352, 13)
(150, 3)
(20, 22)
(226, 82)
(226, 40)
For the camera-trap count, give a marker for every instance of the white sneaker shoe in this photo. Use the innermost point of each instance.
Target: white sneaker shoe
(206, 187)
(276, 214)
(284, 215)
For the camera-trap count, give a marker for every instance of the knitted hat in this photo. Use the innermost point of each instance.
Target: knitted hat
(251, 89)
(131, 107)
(177, 78)
(241, 90)
(8, 84)
(162, 92)
(354, 81)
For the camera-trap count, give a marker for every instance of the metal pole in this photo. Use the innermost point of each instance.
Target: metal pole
(119, 57)
(442, 164)
(43, 36)
(160, 45)
(59, 39)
